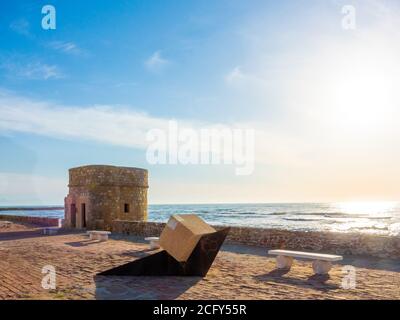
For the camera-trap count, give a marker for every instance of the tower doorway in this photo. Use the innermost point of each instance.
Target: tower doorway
(73, 215)
(83, 210)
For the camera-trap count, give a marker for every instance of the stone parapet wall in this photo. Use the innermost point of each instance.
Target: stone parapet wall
(324, 242)
(101, 175)
(137, 228)
(40, 221)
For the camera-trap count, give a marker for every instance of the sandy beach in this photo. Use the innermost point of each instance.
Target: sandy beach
(239, 272)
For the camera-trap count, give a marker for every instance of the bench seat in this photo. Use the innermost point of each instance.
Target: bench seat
(98, 235)
(50, 231)
(154, 242)
(322, 263)
(306, 255)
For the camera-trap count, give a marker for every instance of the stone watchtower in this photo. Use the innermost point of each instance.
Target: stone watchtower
(100, 194)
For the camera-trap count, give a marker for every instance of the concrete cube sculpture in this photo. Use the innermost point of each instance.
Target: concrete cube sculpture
(188, 248)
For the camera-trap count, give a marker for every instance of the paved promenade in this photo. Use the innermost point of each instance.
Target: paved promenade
(239, 272)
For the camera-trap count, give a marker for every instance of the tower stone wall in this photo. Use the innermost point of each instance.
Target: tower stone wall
(99, 194)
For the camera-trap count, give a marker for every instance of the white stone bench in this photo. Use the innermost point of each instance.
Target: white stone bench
(5, 224)
(322, 263)
(154, 242)
(50, 231)
(98, 235)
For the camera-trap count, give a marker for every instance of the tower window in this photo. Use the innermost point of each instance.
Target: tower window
(126, 207)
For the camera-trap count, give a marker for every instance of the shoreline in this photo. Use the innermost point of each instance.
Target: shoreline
(213, 223)
(290, 216)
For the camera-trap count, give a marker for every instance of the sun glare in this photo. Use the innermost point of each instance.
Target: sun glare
(367, 208)
(353, 89)
(361, 100)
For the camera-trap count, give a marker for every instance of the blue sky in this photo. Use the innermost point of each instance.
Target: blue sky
(65, 94)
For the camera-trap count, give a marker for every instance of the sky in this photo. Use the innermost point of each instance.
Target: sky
(322, 99)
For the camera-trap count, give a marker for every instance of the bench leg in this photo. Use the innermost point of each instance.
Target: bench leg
(321, 267)
(283, 262)
(94, 236)
(154, 244)
(103, 237)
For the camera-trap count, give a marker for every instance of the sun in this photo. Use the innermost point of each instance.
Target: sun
(350, 89)
(361, 98)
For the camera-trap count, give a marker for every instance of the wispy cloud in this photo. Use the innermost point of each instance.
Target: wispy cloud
(234, 76)
(32, 70)
(156, 62)
(66, 47)
(108, 124)
(21, 26)
(121, 126)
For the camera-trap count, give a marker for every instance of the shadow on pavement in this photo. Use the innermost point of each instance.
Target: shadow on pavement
(142, 288)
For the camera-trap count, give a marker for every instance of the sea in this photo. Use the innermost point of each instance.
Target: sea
(366, 217)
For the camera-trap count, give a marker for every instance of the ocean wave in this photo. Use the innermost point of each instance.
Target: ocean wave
(301, 219)
(394, 229)
(330, 214)
(278, 213)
